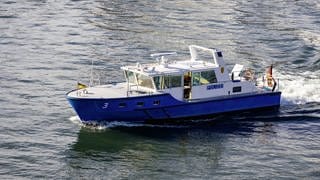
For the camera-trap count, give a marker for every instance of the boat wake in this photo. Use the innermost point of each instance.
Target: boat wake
(311, 38)
(118, 124)
(300, 88)
(75, 120)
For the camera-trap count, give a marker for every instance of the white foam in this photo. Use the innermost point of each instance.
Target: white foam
(75, 119)
(114, 124)
(299, 88)
(96, 126)
(310, 37)
(107, 125)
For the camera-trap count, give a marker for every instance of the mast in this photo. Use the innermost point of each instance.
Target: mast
(91, 74)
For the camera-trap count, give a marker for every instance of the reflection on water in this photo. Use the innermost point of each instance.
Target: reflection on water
(143, 151)
(202, 150)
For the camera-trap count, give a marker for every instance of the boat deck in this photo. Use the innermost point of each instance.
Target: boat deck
(115, 90)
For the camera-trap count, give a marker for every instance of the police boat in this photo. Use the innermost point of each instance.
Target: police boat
(198, 87)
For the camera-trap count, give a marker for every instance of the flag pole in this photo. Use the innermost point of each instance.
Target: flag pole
(91, 74)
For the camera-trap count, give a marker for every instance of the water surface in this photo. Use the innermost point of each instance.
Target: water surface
(47, 46)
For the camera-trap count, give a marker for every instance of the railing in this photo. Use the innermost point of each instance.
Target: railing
(251, 76)
(136, 90)
(272, 83)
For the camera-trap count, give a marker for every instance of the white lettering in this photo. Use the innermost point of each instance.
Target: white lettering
(105, 105)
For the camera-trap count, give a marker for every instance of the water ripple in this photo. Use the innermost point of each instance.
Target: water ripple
(47, 46)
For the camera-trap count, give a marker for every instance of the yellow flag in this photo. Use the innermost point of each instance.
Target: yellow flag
(81, 86)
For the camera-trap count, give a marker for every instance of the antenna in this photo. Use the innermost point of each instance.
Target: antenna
(160, 56)
(91, 74)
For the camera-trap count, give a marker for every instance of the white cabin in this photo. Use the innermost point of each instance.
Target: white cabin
(203, 76)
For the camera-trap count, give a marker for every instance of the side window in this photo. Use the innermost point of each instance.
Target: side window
(157, 82)
(196, 79)
(171, 81)
(166, 82)
(236, 89)
(208, 77)
(156, 102)
(175, 81)
(122, 105)
(140, 104)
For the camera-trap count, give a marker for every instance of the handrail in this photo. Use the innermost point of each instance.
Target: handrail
(163, 54)
(274, 84)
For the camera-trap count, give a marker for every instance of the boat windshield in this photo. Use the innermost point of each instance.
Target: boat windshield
(144, 81)
(130, 77)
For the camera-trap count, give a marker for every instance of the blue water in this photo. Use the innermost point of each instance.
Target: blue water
(47, 46)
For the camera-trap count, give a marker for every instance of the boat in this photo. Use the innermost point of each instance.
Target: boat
(171, 89)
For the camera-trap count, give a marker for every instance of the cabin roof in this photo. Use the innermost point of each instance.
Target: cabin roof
(173, 68)
(212, 60)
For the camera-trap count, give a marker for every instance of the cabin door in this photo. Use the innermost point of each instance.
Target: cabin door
(187, 85)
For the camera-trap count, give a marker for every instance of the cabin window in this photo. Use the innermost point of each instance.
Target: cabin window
(171, 81)
(156, 102)
(157, 82)
(122, 105)
(140, 104)
(166, 82)
(219, 53)
(236, 89)
(144, 81)
(202, 78)
(175, 81)
(130, 77)
(208, 77)
(196, 78)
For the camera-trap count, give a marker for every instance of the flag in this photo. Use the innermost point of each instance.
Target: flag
(81, 86)
(269, 76)
(269, 71)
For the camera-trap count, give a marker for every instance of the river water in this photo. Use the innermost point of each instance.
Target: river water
(46, 46)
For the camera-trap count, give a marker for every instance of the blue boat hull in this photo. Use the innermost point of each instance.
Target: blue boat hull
(163, 107)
